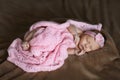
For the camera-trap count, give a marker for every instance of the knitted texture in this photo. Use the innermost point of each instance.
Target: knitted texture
(48, 47)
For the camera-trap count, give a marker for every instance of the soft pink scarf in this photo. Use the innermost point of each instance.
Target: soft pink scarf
(48, 46)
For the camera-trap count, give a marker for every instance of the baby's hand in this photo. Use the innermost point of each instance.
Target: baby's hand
(25, 45)
(80, 53)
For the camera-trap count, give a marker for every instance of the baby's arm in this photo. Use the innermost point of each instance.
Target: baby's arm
(85, 26)
(71, 51)
(74, 30)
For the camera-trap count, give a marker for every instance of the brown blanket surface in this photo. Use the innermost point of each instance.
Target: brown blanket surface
(16, 17)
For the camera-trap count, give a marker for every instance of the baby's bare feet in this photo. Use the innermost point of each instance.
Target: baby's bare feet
(25, 46)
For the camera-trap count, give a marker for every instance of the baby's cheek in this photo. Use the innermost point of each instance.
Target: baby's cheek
(96, 46)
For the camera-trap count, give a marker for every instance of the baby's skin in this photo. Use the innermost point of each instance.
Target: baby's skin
(84, 43)
(47, 44)
(28, 37)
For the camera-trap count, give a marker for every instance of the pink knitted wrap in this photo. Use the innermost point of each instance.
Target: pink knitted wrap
(48, 46)
(48, 49)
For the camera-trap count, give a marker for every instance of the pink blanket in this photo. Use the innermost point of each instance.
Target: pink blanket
(48, 46)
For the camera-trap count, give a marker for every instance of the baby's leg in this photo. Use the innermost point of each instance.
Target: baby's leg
(28, 36)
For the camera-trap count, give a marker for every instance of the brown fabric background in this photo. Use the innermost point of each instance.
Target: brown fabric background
(16, 16)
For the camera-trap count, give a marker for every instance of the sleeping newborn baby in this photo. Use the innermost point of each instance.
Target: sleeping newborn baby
(85, 41)
(47, 44)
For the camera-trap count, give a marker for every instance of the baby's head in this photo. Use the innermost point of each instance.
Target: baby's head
(91, 40)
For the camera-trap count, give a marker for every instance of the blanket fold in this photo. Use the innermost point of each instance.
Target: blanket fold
(48, 48)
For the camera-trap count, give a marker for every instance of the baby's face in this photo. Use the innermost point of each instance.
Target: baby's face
(88, 43)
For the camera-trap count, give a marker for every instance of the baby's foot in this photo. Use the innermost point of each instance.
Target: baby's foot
(25, 45)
